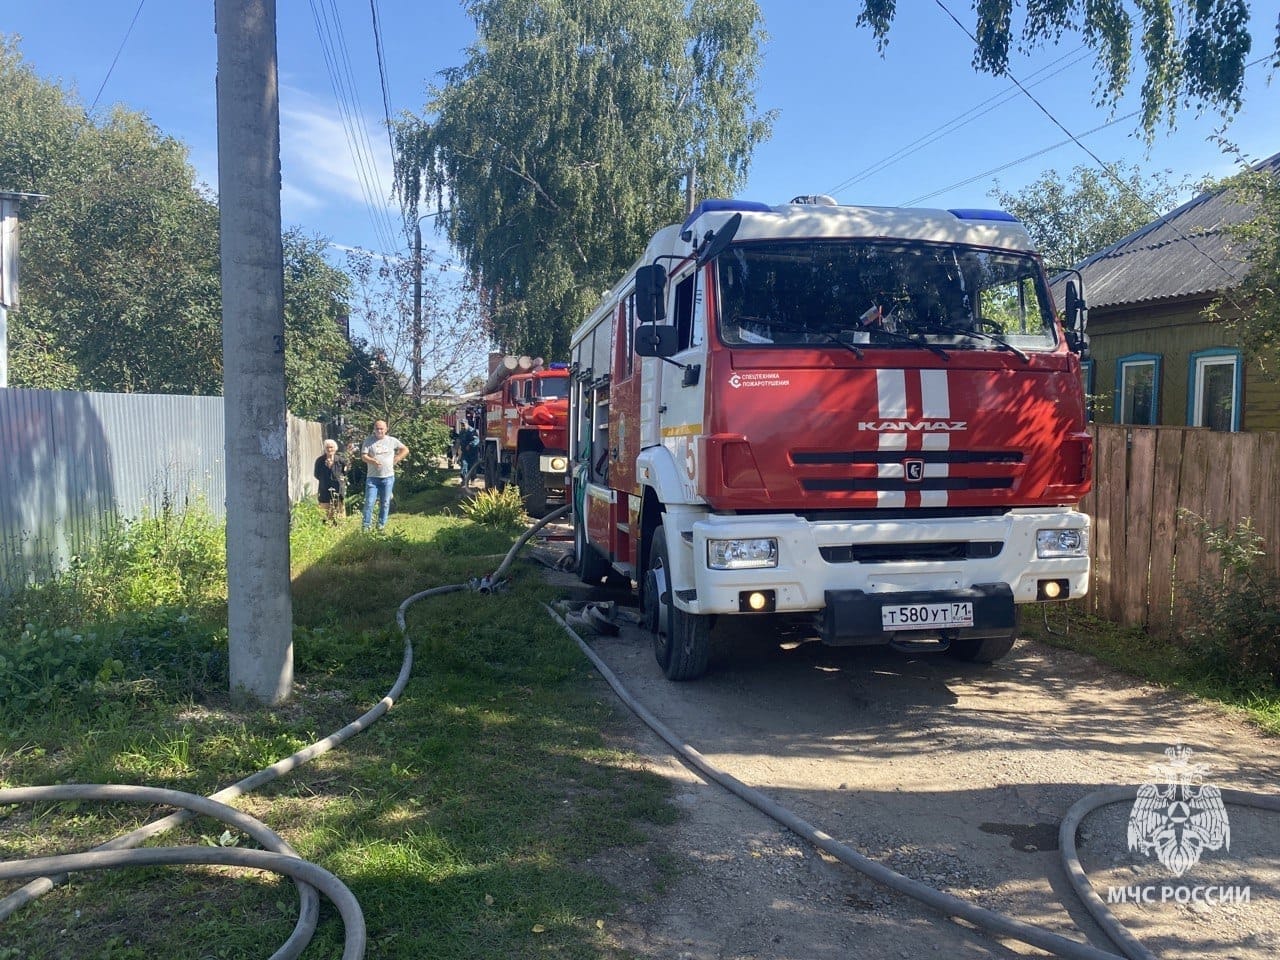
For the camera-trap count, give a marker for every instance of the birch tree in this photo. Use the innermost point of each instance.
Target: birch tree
(563, 140)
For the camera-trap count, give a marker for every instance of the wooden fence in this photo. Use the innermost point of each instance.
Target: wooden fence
(1144, 554)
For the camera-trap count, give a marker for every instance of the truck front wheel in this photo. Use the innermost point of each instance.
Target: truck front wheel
(681, 640)
(533, 488)
(984, 649)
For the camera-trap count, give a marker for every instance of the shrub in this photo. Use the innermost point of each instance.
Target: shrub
(162, 653)
(496, 508)
(169, 559)
(1233, 619)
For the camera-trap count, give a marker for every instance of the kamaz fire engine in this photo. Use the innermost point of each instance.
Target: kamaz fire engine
(526, 411)
(866, 423)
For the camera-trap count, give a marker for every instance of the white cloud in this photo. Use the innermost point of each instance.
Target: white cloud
(323, 184)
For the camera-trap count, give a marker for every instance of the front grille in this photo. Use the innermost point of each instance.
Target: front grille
(858, 470)
(905, 552)
(897, 483)
(897, 456)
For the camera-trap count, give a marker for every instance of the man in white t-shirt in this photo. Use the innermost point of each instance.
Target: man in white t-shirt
(380, 453)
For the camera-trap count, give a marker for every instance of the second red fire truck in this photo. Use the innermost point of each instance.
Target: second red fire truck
(526, 412)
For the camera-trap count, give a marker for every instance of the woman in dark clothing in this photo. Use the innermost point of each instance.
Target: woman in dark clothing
(331, 482)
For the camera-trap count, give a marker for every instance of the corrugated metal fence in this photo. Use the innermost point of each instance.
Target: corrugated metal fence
(72, 463)
(1144, 556)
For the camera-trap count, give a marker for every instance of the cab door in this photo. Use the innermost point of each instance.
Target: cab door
(682, 392)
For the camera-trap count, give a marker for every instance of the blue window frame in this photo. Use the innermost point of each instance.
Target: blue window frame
(1215, 386)
(1088, 376)
(1138, 388)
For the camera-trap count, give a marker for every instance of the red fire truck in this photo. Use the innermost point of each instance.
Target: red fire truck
(526, 412)
(866, 423)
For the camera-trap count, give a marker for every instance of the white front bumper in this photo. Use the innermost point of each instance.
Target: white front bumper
(802, 576)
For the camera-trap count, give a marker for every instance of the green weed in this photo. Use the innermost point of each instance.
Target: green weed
(462, 820)
(496, 508)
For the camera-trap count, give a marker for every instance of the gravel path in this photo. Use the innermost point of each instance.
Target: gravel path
(954, 774)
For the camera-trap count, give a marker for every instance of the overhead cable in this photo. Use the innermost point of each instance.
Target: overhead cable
(116, 60)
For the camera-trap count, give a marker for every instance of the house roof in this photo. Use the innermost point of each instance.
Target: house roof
(1183, 254)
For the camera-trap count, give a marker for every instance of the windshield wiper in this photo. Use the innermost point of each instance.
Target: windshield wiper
(798, 328)
(990, 337)
(836, 338)
(915, 341)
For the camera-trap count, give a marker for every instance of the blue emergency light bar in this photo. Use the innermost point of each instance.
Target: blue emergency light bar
(724, 206)
(1000, 215)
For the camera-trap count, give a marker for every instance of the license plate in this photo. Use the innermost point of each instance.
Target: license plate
(927, 616)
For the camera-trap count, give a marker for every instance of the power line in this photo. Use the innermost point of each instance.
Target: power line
(1106, 167)
(119, 51)
(955, 123)
(337, 64)
(382, 77)
(1013, 163)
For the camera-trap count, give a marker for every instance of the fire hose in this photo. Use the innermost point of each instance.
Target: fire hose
(279, 857)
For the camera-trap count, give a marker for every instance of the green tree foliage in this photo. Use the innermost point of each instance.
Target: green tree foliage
(120, 263)
(120, 283)
(315, 294)
(560, 143)
(1071, 218)
(1253, 308)
(1194, 51)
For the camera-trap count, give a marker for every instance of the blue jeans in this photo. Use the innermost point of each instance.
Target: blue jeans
(377, 488)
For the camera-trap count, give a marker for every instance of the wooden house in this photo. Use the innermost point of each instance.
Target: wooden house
(1155, 357)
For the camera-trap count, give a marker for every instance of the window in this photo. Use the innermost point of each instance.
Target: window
(684, 311)
(627, 334)
(1138, 389)
(1213, 389)
(890, 294)
(1088, 375)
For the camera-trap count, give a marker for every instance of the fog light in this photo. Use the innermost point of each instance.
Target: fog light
(1053, 589)
(743, 554)
(1060, 543)
(756, 601)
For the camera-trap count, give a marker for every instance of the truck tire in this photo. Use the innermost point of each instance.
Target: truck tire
(683, 649)
(984, 649)
(492, 470)
(590, 566)
(533, 489)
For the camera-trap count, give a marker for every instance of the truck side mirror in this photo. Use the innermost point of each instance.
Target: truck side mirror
(1072, 298)
(718, 241)
(656, 341)
(651, 293)
(1077, 318)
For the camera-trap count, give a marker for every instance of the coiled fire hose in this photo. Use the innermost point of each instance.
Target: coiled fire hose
(280, 858)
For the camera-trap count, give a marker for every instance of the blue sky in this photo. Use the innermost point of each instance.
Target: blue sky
(866, 128)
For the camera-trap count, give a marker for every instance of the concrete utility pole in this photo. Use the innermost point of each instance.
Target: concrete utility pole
(259, 608)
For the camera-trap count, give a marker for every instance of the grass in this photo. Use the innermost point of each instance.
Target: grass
(1132, 651)
(472, 821)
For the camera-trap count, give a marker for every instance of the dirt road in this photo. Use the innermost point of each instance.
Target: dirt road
(954, 774)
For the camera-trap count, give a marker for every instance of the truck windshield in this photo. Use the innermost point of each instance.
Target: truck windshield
(552, 387)
(890, 294)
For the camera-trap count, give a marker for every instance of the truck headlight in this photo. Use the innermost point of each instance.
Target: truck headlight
(1060, 543)
(558, 464)
(742, 554)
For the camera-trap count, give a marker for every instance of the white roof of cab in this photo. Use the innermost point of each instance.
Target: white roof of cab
(795, 220)
(792, 221)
